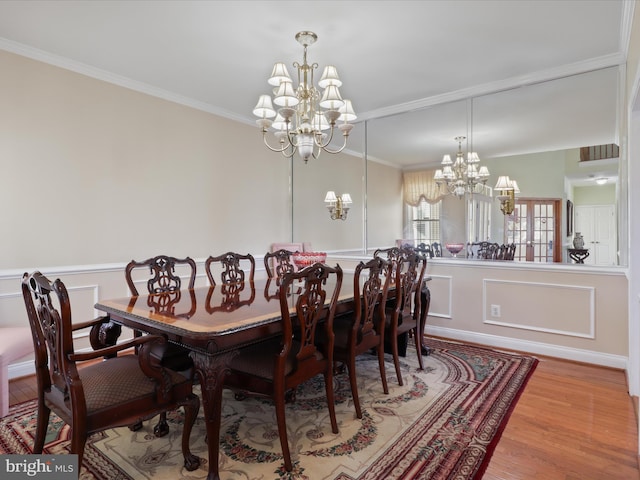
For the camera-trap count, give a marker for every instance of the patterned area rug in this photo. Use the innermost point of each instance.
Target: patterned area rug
(443, 423)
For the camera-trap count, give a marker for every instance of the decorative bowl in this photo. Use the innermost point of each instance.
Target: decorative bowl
(304, 259)
(454, 248)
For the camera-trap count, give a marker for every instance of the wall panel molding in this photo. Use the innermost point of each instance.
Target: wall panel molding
(543, 302)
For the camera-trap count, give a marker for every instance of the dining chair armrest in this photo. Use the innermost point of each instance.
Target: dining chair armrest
(91, 323)
(114, 349)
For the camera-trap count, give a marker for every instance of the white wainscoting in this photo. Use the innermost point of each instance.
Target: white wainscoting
(544, 303)
(86, 285)
(441, 303)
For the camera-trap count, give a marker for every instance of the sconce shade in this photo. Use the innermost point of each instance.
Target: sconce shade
(331, 197)
(503, 183)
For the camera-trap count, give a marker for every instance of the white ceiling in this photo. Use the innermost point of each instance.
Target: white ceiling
(393, 56)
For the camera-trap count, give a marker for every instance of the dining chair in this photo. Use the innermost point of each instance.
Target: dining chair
(279, 263)
(161, 277)
(437, 249)
(230, 267)
(402, 315)
(500, 252)
(392, 254)
(97, 390)
(275, 367)
(363, 330)
(425, 249)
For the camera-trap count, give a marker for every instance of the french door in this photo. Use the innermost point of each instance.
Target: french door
(534, 227)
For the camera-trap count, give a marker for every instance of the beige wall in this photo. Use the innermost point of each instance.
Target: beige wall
(384, 205)
(95, 173)
(341, 173)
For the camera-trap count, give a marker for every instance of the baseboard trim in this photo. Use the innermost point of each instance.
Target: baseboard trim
(21, 369)
(539, 348)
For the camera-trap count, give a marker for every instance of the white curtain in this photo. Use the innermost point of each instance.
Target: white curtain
(421, 185)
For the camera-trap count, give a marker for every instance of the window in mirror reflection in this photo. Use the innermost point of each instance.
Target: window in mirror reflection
(535, 230)
(425, 222)
(479, 218)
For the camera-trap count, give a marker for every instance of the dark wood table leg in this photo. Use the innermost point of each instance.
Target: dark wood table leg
(211, 370)
(425, 302)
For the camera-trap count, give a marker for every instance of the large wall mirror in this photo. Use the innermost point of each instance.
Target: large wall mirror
(532, 134)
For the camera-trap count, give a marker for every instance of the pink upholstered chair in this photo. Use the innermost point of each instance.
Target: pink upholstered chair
(15, 343)
(292, 247)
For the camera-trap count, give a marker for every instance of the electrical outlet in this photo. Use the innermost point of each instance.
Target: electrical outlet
(495, 311)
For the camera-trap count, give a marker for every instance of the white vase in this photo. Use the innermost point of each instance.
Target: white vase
(578, 241)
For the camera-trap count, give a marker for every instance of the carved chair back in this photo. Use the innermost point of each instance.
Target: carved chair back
(162, 273)
(231, 265)
(370, 287)
(279, 263)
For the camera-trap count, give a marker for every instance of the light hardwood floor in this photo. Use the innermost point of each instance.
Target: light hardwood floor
(572, 422)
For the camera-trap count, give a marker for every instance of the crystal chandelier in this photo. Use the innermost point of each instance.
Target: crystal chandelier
(305, 113)
(461, 176)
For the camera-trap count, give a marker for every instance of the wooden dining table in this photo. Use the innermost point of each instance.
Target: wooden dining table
(213, 323)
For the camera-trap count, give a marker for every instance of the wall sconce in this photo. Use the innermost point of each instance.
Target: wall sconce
(506, 193)
(338, 206)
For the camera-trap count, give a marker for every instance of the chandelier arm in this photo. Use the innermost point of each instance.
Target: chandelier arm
(274, 149)
(282, 150)
(317, 138)
(333, 152)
